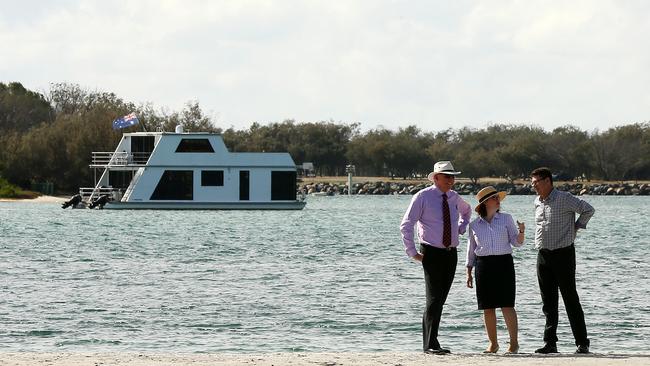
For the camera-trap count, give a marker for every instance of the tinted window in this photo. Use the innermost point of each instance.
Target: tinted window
(212, 177)
(175, 185)
(120, 178)
(141, 148)
(194, 146)
(283, 185)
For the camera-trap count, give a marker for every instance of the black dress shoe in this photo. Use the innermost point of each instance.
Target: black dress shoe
(437, 351)
(548, 348)
(582, 349)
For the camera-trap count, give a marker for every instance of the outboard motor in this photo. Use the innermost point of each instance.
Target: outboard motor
(100, 202)
(73, 201)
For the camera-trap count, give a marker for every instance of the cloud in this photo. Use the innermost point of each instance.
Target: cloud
(434, 64)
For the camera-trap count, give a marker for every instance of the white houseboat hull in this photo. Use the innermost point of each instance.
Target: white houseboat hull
(205, 205)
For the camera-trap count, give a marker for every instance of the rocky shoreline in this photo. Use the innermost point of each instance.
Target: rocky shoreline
(396, 188)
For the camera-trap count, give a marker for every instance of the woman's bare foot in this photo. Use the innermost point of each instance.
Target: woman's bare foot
(492, 348)
(514, 348)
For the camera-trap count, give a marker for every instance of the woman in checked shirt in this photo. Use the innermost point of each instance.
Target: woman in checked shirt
(489, 248)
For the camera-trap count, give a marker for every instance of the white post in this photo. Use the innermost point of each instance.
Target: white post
(350, 170)
(349, 183)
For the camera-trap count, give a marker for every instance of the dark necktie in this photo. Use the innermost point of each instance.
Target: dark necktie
(446, 219)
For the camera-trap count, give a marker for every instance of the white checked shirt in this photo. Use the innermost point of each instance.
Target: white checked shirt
(555, 219)
(491, 238)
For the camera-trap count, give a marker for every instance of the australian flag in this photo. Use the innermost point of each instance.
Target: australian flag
(126, 121)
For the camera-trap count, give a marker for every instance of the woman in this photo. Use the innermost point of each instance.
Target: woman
(491, 238)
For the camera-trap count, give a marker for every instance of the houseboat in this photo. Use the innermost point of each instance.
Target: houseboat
(181, 170)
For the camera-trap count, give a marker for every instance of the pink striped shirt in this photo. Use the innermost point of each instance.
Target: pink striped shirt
(491, 238)
(425, 212)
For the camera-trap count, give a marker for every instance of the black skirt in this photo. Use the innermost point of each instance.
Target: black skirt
(495, 281)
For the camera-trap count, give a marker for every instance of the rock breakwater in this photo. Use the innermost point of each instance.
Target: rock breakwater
(397, 188)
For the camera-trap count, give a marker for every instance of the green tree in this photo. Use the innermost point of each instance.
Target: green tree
(571, 152)
(407, 153)
(22, 109)
(368, 152)
(191, 118)
(525, 151)
(623, 152)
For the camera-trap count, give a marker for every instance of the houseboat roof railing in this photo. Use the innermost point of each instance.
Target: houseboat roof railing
(105, 159)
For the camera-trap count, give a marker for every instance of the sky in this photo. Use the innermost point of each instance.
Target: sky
(391, 64)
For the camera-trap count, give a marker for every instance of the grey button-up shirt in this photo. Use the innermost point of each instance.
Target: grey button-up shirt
(555, 219)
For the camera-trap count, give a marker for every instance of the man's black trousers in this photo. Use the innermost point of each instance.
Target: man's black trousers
(439, 269)
(556, 269)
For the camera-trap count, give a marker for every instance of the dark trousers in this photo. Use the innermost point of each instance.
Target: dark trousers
(439, 268)
(556, 269)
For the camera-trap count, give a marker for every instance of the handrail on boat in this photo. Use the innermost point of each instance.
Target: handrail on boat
(88, 194)
(119, 158)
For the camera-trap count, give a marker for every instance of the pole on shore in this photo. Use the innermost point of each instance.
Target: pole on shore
(350, 170)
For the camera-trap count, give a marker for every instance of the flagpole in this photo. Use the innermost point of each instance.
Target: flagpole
(144, 128)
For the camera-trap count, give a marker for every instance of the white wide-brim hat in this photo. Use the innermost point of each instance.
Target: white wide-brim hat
(442, 167)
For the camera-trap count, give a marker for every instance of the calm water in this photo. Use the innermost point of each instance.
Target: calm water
(333, 277)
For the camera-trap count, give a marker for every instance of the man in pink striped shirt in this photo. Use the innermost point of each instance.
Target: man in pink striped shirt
(440, 215)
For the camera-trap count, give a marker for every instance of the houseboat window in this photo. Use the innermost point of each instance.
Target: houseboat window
(141, 148)
(212, 177)
(120, 178)
(283, 185)
(194, 146)
(175, 185)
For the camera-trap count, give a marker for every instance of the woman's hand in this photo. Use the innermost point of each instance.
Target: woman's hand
(470, 280)
(522, 226)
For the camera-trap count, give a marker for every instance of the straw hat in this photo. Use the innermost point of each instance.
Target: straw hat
(485, 194)
(442, 167)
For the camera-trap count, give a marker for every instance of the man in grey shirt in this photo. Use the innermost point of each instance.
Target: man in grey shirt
(555, 232)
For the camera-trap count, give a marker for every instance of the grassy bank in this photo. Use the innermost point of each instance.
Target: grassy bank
(8, 190)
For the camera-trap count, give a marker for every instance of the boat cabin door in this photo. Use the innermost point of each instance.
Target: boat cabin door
(244, 185)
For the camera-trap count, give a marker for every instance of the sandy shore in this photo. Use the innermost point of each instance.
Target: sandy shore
(40, 199)
(321, 359)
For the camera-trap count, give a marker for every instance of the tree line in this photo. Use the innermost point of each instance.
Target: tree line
(49, 137)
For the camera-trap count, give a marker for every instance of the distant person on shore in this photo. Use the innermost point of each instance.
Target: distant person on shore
(489, 249)
(555, 233)
(440, 215)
